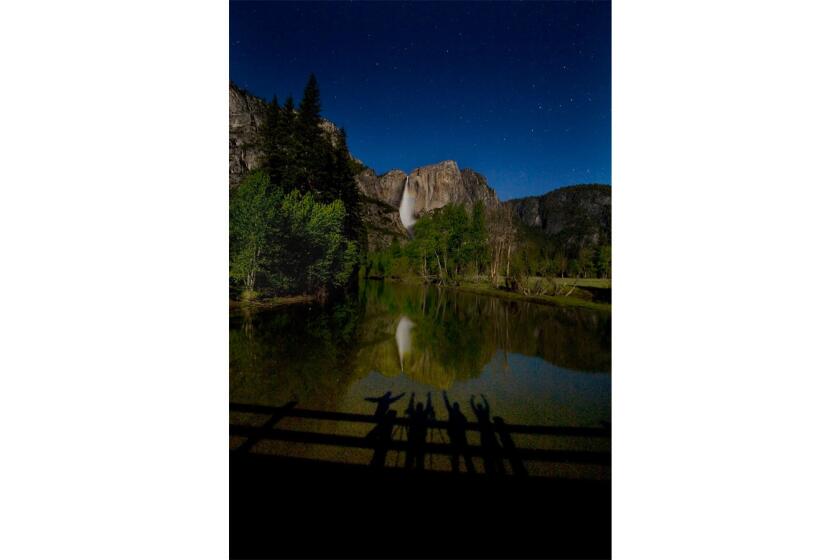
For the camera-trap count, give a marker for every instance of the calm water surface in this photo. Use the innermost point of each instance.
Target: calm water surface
(536, 364)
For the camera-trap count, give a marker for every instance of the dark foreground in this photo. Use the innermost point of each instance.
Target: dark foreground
(293, 508)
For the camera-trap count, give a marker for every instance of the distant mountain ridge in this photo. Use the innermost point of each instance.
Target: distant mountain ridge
(581, 213)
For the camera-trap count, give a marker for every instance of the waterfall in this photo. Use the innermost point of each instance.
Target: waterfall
(407, 208)
(404, 338)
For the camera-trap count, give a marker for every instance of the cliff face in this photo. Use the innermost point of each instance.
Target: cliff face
(433, 186)
(582, 213)
(387, 188)
(380, 208)
(246, 114)
(579, 214)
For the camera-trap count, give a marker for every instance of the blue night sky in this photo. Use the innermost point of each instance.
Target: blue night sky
(519, 92)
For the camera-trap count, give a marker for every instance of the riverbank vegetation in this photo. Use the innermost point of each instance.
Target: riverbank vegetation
(295, 226)
(473, 247)
(296, 230)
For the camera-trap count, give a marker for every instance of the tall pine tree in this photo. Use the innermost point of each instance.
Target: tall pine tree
(343, 180)
(313, 150)
(269, 141)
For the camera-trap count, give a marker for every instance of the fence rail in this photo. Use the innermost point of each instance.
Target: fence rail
(569, 431)
(384, 442)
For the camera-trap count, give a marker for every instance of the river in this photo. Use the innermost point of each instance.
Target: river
(535, 364)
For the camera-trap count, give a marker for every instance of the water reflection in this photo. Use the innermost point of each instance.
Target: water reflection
(537, 364)
(444, 336)
(404, 339)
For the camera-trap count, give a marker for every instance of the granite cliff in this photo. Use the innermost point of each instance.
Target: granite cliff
(246, 114)
(580, 214)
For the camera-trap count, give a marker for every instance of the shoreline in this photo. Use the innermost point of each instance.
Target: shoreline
(268, 303)
(477, 288)
(556, 301)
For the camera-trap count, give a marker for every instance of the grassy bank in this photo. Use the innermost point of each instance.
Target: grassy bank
(582, 282)
(268, 303)
(480, 285)
(562, 301)
(474, 285)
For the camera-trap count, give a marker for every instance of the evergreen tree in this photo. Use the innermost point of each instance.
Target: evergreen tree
(476, 249)
(289, 172)
(312, 148)
(287, 117)
(343, 184)
(269, 142)
(296, 224)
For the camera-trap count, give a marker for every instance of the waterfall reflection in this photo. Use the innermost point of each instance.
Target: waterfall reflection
(404, 327)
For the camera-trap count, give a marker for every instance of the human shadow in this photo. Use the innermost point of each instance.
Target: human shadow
(490, 450)
(382, 434)
(418, 426)
(456, 429)
(383, 403)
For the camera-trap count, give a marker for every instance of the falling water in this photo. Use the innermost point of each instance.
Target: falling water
(407, 208)
(404, 338)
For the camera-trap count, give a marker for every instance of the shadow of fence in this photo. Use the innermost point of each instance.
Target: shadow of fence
(508, 450)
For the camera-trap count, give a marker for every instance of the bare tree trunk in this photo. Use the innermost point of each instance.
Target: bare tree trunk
(507, 270)
(251, 277)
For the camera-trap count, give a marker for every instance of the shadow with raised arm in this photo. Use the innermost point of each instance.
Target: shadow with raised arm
(490, 450)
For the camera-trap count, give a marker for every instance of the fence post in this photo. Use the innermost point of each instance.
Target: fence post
(507, 442)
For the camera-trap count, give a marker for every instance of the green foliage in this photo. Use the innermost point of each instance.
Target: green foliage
(446, 244)
(299, 154)
(604, 263)
(295, 225)
(307, 249)
(454, 244)
(253, 210)
(287, 242)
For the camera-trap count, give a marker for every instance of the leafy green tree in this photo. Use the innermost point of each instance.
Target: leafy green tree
(477, 248)
(253, 209)
(574, 268)
(605, 261)
(307, 250)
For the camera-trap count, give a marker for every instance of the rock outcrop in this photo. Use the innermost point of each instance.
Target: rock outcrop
(380, 208)
(246, 114)
(581, 214)
(433, 186)
(387, 188)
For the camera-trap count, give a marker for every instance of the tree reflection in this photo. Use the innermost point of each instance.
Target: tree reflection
(444, 335)
(434, 336)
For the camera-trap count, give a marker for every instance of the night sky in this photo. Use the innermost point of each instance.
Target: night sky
(519, 92)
